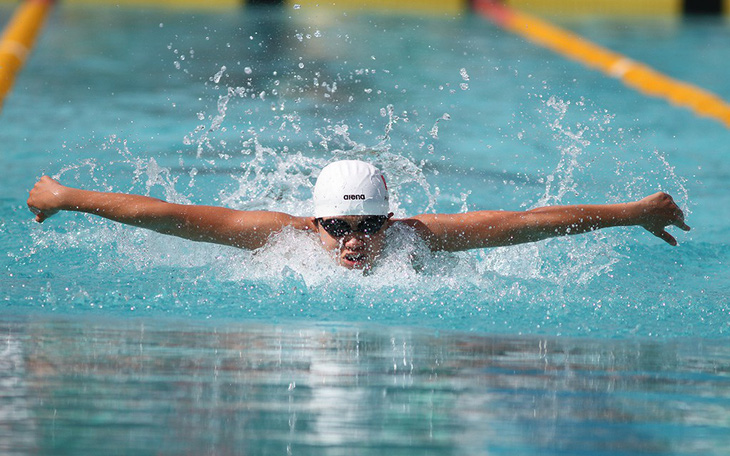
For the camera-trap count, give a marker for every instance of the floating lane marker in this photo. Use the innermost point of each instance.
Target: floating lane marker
(18, 38)
(634, 74)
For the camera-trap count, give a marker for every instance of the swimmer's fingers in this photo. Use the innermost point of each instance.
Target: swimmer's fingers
(662, 211)
(681, 225)
(44, 199)
(660, 230)
(40, 216)
(665, 236)
(678, 216)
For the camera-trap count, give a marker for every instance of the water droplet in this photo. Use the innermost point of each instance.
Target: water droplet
(217, 77)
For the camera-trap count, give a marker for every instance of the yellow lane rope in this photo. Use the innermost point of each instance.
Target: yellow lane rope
(17, 40)
(634, 74)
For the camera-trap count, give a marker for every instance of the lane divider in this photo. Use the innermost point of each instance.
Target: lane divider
(18, 39)
(634, 74)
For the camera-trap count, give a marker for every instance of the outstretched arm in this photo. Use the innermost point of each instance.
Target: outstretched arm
(472, 230)
(245, 229)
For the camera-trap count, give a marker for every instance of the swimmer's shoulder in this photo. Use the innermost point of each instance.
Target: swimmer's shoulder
(296, 222)
(271, 221)
(419, 224)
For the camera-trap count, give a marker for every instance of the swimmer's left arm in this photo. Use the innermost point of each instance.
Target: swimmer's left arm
(471, 230)
(245, 229)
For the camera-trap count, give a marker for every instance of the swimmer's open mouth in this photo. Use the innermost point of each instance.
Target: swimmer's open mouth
(355, 257)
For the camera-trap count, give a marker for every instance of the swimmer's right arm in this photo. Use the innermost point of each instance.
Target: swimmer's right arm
(245, 229)
(480, 229)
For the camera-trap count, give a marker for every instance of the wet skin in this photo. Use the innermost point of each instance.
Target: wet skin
(441, 232)
(355, 250)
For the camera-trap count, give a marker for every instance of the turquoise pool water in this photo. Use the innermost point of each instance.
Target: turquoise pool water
(120, 341)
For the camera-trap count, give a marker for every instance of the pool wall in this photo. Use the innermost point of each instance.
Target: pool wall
(548, 7)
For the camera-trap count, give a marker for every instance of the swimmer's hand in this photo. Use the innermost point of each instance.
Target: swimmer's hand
(657, 212)
(45, 198)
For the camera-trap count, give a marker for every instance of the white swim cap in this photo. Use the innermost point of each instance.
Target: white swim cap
(350, 187)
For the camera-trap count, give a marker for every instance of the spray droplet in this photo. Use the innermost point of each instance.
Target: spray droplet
(219, 75)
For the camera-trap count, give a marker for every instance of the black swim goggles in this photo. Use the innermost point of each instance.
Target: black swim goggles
(368, 225)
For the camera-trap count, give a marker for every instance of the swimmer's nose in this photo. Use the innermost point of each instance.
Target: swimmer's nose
(354, 242)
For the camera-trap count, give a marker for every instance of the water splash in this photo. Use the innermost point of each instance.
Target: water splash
(434, 132)
(262, 147)
(465, 77)
(572, 144)
(275, 178)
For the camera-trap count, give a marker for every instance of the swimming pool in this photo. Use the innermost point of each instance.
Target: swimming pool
(124, 341)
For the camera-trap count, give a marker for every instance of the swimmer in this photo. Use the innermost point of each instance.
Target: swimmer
(352, 215)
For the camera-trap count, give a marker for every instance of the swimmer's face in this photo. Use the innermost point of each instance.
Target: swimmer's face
(355, 240)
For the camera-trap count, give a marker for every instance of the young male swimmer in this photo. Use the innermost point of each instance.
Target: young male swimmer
(352, 215)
